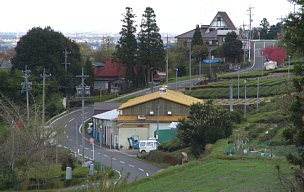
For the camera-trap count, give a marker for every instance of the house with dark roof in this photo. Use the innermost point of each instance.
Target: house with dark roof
(109, 77)
(214, 34)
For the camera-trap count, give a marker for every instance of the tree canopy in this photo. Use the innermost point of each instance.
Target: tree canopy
(197, 38)
(151, 52)
(205, 124)
(43, 48)
(232, 48)
(126, 49)
(274, 53)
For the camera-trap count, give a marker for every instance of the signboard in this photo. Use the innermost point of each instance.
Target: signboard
(92, 140)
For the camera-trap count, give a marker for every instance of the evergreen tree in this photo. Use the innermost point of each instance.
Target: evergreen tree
(151, 53)
(205, 124)
(232, 48)
(264, 29)
(293, 38)
(294, 30)
(126, 49)
(199, 50)
(197, 37)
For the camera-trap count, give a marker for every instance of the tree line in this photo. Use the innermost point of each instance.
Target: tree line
(140, 53)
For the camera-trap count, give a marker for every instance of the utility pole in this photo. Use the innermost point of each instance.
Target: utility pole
(244, 42)
(26, 87)
(82, 92)
(238, 82)
(231, 95)
(176, 70)
(190, 65)
(258, 89)
(289, 66)
(249, 35)
(66, 53)
(43, 96)
(245, 81)
(167, 66)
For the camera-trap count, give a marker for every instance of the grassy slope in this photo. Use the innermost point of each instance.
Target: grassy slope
(217, 172)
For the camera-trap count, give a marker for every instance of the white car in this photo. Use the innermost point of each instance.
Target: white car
(145, 146)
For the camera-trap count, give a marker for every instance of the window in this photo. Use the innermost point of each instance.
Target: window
(218, 19)
(150, 144)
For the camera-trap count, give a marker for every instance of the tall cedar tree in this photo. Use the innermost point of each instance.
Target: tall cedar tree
(126, 50)
(151, 53)
(197, 37)
(293, 33)
(232, 48)
(199, 50)
(43, 48)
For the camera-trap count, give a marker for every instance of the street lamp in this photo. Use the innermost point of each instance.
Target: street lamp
(176, 70)
(210, 62)
(258, 89)
(238, 67)
(152, 80)
(189, 44)
(262, 53)
(288, 66)
(245, 81)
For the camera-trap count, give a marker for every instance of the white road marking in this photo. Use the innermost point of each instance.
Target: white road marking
(141, 169)
(71, 140)
(86, 113)
(147, 174)
(64, 132)
(67, 136)
(71, 120)
(105, 155)
(86, 148)
(122, 162)
(114, 159)
(65, 126)
(131, 165)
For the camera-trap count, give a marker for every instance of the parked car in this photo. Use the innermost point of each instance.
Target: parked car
(145, 146)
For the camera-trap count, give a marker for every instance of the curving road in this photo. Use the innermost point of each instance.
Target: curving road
(121, 162)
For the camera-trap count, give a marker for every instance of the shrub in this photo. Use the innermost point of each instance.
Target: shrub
(67, 162)
(172, 145)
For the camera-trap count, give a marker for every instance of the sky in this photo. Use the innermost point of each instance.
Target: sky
(104, 16)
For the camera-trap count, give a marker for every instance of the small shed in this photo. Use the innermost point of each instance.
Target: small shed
(105, 128)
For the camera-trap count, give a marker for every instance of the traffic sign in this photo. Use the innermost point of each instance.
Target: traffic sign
(92, 140)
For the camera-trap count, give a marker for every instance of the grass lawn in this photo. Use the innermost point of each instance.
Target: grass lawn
(217, 172)
(245, 172)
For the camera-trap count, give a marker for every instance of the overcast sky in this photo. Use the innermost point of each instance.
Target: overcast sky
(105, 16)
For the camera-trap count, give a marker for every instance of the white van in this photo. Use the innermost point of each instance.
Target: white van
(145, 146)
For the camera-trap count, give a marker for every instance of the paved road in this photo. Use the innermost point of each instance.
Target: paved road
(122, 163)
(171, 86)
(258, 59)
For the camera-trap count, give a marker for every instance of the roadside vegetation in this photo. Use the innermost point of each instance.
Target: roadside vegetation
(218, 169)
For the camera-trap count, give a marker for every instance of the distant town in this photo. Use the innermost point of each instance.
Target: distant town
(9, 40)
